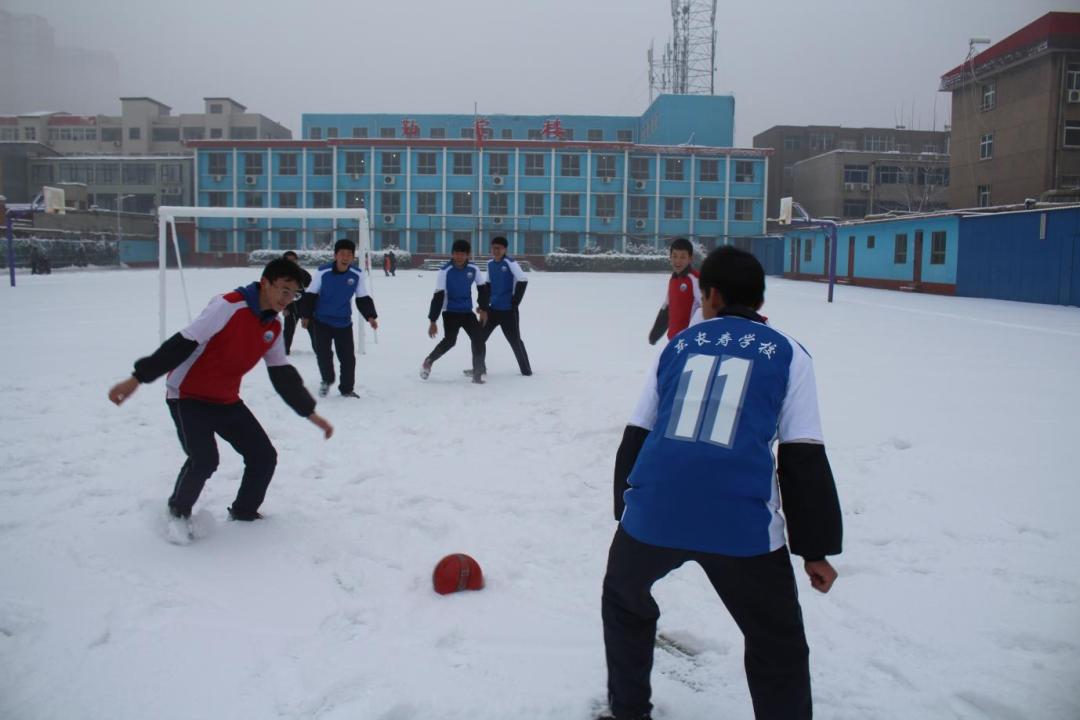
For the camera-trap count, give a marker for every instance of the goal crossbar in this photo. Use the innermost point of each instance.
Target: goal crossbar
(167, 215)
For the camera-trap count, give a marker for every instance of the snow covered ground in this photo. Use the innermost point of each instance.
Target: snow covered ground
(950, 425)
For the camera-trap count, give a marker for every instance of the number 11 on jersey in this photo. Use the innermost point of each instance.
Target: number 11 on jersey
(718, 397)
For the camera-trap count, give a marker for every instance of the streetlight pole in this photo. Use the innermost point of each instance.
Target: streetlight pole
(119, 203)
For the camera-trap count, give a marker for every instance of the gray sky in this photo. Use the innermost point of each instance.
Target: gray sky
(849, 62)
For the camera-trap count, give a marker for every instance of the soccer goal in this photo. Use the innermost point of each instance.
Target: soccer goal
(168, 214)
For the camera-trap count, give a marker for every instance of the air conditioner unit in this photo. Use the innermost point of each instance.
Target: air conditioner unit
(639, 224)
(639, 184)
(606, 178)
(605, 220)
(170, 191)
(250, 179)
(1074, 96)
(849, 186)
(356, 176)
(497, 180)
(116, 143)
(864, 186)
(496, 221)
(389, 179)
(253, 221)
(218, 178)
(388, 219)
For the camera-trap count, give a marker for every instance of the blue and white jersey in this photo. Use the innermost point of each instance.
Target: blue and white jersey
(457, 284)
(336, 291)
(718, 396)
(504, 275)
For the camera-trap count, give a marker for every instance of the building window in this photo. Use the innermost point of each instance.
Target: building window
(857, 174)
(570, 205)
(1072, 133)
(171, 172)
(359, 132)
(243, 133)
(215, 108)
(900, 249)
(217, 199)
(605, 206)
(315, 133)
(673, 208)
(709, 170)
(887, 175)
(624, 136)
(331, 133)
(744, 171)
(534, 204)
(288, 164)
(134, 133)
(110, 134)
(426, 163)
(534, 243)
(354, 199)
(286, 239)
(322, 200)
(462, 163)
(143, 174)
(594, 135)
(355, 163)
(1068, 182)
(497, 204)
(426, 203)
(390, 239)
(109, 173)
(989, 96)
(570, 165)
(744, 209)
(219, 240)
(465, 235)
(869, 242)
(1072, 82)
(390, 202)
(792, 142)
(165, 134)
(216, 133)
(937, 247)
(287, 199)
(462, 203)
(321, 238)
(639, 168)
(673, 169)
(498, 164)
(879, 143)
(808, 249)
(983, 193)
(986, 146)
(534, 164)
(506, 134)
(854, 208)
(437, 132)
(253, 240)
(391, 163)
(822, 141)
(569, 242)
(605, 167)
(534, 134)
(253, 163)
(253, 199)
(425, 241)
(639, 207)
(387, 132)
(323, 163)
(707, 208)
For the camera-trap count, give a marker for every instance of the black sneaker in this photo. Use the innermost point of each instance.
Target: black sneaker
(479, 379)
(468, 372)
(178, 513)
(245, 516)
(625, 717)
(324, 388)
(351, 394)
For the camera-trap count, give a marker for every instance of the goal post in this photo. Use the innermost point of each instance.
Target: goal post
(168, 214)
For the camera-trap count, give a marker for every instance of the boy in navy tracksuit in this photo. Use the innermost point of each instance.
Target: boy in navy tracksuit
(205, 362)
(696, 480)
(453, 298)
(327, 306)
(507, 281)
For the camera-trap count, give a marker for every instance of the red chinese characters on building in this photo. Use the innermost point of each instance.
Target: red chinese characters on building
(481, 129)
(410, 128)
(553, 129)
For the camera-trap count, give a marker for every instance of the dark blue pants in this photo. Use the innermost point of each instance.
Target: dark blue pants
(509, 321)
(196, 424)
(758, 591)
(342, 340)
(454, 322)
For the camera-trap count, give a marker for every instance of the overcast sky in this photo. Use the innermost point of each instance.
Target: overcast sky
(848, 62)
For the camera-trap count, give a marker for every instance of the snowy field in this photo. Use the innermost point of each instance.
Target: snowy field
(950, 425)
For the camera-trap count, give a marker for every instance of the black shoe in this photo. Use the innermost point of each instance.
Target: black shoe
(324, 388)
(178, 513)
(479, 379)
(468, 372)
(245, 516)
(625, 717)
(351, 394)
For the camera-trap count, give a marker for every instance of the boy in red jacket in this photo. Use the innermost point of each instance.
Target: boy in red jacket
(683, 294)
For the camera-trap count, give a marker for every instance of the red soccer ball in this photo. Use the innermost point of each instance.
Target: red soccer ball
(457, 572)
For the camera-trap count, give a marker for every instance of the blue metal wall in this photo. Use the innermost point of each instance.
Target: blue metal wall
(1030, 256)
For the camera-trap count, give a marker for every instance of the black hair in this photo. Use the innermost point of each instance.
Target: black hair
(290, 255)
(681, 244)
(499, 240)
(344, 244)
(736, 274)
(282, 268)
(461, 246)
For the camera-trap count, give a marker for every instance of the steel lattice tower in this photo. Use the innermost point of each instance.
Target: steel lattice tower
(688, 66)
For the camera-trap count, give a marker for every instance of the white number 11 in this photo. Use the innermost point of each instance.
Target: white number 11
(718, 398)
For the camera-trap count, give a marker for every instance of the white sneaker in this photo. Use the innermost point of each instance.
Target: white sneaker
(425, 369)
(324, 388)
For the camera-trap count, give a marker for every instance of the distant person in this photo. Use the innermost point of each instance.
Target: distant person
(508, 282)
(328, 305)
(453, 298)
(389, 263)
(205, 363)
(683, 294)
(292, 312)
(39, 262)
(695, 480)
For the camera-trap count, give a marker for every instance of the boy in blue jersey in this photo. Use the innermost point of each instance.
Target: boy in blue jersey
(507, 281)
(695, 479)
(453, 298)
(327, 304)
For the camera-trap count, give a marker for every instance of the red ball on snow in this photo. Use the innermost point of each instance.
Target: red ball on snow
(457, 572)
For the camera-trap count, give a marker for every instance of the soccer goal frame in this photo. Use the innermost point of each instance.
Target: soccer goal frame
(167, 215)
